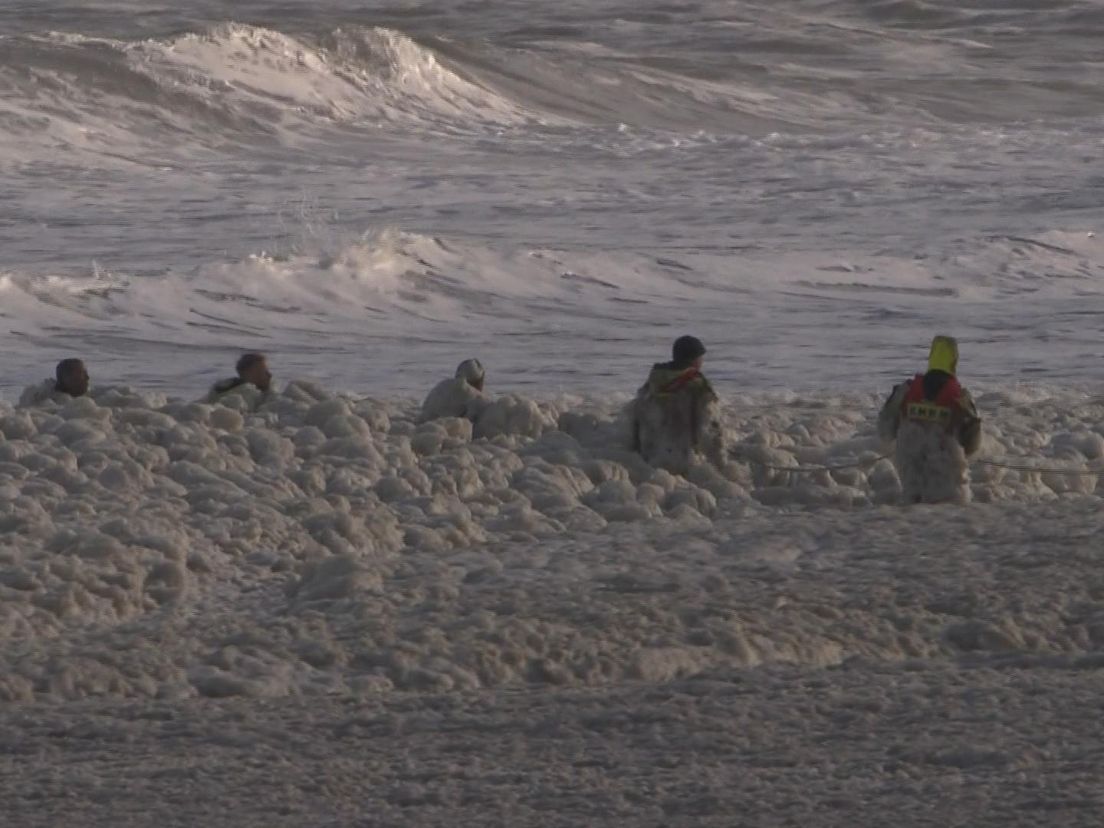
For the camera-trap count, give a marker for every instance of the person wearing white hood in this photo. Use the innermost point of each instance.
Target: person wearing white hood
(460, 396)
(936, 427)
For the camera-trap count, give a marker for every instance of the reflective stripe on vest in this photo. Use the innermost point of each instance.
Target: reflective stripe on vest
(940, 410)
(928, 413)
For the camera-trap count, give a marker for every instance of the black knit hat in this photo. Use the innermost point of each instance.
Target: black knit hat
(686, 349)
(247, 361)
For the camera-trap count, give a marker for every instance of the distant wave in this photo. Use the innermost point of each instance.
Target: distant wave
(239, 83)
(234, 83)
(840, 67)
(1048, 16)
(244, 84)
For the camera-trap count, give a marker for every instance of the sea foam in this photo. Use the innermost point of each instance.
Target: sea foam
(313, 542)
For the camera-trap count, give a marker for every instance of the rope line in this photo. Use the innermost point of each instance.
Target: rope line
(1023, 467)
(997, 464)
(810, 469)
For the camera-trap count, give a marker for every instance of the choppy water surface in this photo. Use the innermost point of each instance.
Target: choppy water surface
(558, 188)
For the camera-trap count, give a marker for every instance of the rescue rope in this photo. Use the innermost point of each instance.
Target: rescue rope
(810, 469)
(1024, 467)
(814, 468)
(1022, 464)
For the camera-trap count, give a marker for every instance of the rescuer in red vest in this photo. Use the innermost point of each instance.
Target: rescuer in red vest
(936, 427)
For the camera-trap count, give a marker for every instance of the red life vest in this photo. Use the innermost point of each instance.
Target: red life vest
(941, 410)
(681, 381)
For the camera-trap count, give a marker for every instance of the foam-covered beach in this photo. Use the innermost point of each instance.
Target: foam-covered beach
(432, 621)
(324, 544)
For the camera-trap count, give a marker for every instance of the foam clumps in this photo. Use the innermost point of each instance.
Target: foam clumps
(310, 542)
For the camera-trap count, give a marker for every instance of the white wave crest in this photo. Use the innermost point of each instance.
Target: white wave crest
(352, 75)
(577, 317)
(232, 84)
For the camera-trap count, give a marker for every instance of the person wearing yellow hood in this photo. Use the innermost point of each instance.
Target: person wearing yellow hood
(936, 426)
(676, 413)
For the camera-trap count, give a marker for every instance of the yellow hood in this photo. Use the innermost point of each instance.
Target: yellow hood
(944, 355)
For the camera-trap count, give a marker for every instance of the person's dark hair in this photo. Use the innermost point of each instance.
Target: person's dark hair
(65, 367)
(685, 350)
(247, 361)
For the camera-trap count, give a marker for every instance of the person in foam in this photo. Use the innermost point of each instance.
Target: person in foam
(936, 426)
(676, 413)
(70, 380)
(253, 380)
(460, 396)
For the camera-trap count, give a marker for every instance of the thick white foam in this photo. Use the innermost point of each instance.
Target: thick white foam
(331, 544)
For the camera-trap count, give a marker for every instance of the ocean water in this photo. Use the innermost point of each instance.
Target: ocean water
(318, 610)
(371, 191)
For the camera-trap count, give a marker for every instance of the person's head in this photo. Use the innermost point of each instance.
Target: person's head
(943, 355)
(688, 352)
(71, 377)
(253, 368)
(471, 371)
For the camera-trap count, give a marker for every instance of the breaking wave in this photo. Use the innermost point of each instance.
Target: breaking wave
(789, 71)
(235, 82)
(413, 299)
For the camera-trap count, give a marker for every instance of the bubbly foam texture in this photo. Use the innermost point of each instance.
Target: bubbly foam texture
(327, 544)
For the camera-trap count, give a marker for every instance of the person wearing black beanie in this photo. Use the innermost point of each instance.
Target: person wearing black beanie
(676, 414)
(686, 351)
